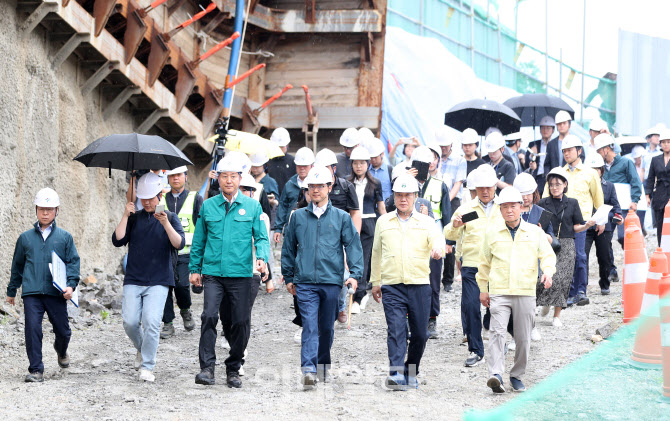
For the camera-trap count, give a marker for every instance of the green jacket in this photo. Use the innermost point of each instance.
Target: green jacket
(32, 255)
(222, 242)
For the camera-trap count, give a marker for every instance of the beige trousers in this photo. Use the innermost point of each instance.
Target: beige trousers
(502, 306)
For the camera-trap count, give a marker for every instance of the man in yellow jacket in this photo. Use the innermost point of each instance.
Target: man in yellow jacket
(507, 279)
(405, 241)
(471, 234)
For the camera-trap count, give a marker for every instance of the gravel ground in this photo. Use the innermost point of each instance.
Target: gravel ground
(102, 384)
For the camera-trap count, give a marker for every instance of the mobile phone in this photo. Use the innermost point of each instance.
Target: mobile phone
(422, 170)
(160, 208)
(470, 216)
(545, 218)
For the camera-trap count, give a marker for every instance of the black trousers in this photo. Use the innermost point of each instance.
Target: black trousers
(235, 294)
(450, 259)
(603, 247)
(658, 216)
(56, 308)
(224, 310)
(181, 290)
(435, 277)
(367, 238)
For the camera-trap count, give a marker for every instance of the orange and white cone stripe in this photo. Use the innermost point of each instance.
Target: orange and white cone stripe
(664, 293)
(634, 272)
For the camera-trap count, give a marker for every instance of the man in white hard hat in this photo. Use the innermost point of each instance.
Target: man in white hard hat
(403, 287)
(186, 205)
(596, 126)
(349, 139)
(378, 168)
(304, 161)
(152, 237)
(31, 273)
(259, 163)
(512, 146)
(536, 154)
(583, 185)
(554, 148)
(469, 144)
(653, 149)
(222, 260)
(131, 193)
(507, 278)
(312, 263)
(504, 169)
(281, 168)
(471, 235)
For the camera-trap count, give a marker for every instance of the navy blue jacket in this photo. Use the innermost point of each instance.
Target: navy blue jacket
(32, 255)
(287, 201)
(150, 252)
(609, 195)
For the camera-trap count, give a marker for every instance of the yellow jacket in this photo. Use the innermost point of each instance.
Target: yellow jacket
(583, 185)
(472, 233)
(401, 255)
(509, 267)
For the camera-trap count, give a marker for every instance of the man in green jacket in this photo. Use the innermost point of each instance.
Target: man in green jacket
(222, 262)
(312, 264)
(30, 271)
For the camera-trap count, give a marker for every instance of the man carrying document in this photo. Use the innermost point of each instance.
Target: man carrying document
(31, 272)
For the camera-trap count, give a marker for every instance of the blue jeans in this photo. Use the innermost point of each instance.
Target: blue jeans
(56, 308)
(318, 309)
(579, 278)
(471, 311)
(142, 311)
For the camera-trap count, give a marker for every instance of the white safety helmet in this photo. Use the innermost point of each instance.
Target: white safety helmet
(178, 170)
(494, 141)
(526, 183)
(602, 140)
(471, 180)
(326, 158)
(375, 147)
(149, 185)
(435, 148)
(513, 136)
(422, 154)
(360, 154)
(280, 136)
(399, 170)
(597, 125)
(594, 160)
(365, 133)
(259, 158)
(469, 137)
(562, 116)
(350, 138)
(664, 135)
(559, 171)
(405, 183)
(47, 198)
(571, 141)
(242, 158)
(509, 195)
(229, 164)
(492, 130)
(637, 152)
(486, 176)
(304, 156)
(248, 181)
(319, 175)
(652, 131)
(547, 121)
(443, 136)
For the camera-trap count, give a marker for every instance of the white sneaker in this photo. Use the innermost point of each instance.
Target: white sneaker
(245, 354)
(545, 311)
(556, 322)
(512, 345)
(485, 334)
(364, 301)
(224, 343)
(355, 308)
(240, 372)
(138, 361)
(297, 338)
(535, 335)
(147, 376)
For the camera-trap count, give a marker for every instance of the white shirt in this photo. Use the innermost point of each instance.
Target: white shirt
(231, 200)
(543, 149)
(487, 207)
(318, 211)
(301, 183)
(45, 232)
(403, 222)
(360, 191)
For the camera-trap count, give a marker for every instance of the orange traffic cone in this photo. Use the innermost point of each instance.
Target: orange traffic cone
(634, 272)
(664, 294)
(632, 219)
(647, 349)
(665, 235)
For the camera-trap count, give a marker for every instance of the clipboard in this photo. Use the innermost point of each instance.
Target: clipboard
(545, 219)
(59, 277)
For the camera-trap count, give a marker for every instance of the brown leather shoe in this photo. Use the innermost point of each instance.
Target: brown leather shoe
(342, 317)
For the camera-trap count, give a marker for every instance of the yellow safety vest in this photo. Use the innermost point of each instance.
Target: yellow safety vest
(185, 215)
(433, 194)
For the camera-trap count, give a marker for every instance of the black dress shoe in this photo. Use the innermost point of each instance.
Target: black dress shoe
(206, 376)
(233, 380)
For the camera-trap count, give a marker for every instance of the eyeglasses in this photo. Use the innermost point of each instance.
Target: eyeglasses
(317, 186)
(555, 185)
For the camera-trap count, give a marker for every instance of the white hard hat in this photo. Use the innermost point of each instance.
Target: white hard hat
(637, 152)
(280, 136)
(350, 138)
(471, 180)
(399, 170)
(242, 158)
(248, 181)
(229, 164)
(547, 121)
(48, 198)
(326, 158)
(492, 130)
(375, 147)
(405, 183)
(652, 131)
(597, 125)
(364, 132)
(469, 137)
(422, 154)
(509, 195)
(149, 185)
(594, 160)
(571, 141)
(486, 176)
(360, 154)
(435, 148)
(513, 136)
(304, 156)
(664, 135)
(602, 140)
(443, 136)
(177, 170)
(494, 141)
(559, 171)
(562, 116)
(319, 175)
(526, 183)
(259, 158)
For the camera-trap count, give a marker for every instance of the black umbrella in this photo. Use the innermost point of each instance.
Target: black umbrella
(132, 151)
(532, 107)
(480, 114)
